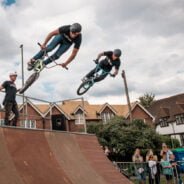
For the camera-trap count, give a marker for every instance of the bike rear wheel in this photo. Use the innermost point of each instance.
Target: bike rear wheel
(84, 87)
(29, 82)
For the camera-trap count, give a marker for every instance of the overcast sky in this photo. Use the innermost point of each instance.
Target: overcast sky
(150, 34)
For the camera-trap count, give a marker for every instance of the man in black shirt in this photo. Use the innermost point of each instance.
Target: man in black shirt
(111, 60)
(9, 102)
(64, 37)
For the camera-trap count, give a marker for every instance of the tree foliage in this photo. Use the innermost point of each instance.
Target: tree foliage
(146, 100)
(124, 137)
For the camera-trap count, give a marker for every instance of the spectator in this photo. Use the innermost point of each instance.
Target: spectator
(166, 150)
(167, 168)
(139, 166)
(9, 102)
(153, 168)
(150, 153)
(176, 170)
(106, 151)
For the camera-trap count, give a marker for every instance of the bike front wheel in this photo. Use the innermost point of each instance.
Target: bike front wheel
(84, 87)
(29, 82)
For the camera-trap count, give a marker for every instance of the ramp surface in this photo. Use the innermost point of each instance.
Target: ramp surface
(46, 157)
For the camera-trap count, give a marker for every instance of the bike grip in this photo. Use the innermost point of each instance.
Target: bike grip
(39, 44)
(96, 61)
(112, 75)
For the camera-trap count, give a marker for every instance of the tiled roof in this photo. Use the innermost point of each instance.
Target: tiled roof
(167, 107)
(92, 111)
(43, 108)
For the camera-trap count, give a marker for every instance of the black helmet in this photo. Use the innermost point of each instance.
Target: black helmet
(117, 52)
(76, 27)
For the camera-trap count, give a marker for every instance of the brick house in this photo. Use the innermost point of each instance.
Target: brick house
(1, 116)
(69, 115)
(169, 116)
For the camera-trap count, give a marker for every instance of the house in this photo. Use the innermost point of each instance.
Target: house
(169, 116)
(74, 114)
(2, 114)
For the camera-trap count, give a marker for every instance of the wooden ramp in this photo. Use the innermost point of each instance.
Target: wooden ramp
(50, 157)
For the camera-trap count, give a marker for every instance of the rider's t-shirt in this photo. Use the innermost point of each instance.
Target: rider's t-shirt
(65, 31)
(10, 90)
(108, 62)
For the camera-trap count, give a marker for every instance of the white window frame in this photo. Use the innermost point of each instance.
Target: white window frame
(2, 122)
(179, 119)
(163, 122)
(31, 124)
(106, 116)
(79, 118)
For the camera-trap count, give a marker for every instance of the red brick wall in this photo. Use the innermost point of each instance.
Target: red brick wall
(75, 128)
(32, 114)
(139, 113)
(107, 109)
(2, 114)
(48, 122)
(55, 111)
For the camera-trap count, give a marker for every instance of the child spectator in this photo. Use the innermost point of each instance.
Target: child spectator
(167, 168)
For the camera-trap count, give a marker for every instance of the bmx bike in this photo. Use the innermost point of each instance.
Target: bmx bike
(88, 83)
(37, 68)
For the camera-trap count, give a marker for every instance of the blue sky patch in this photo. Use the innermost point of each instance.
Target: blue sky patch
(8, 2)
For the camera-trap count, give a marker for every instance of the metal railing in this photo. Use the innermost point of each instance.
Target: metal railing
(141, 172)
(29, 119)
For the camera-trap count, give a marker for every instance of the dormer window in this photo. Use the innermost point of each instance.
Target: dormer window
(179, 119)
(106, 116)
(163, 122)
(79, 117)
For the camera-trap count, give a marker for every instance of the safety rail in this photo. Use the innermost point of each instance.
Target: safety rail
(137, 171)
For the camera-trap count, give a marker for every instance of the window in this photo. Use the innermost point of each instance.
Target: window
(1, 122)
(106, 116)
(79, 117)
(28, 124)
(179, 119)
(182, 139)
(163, 122)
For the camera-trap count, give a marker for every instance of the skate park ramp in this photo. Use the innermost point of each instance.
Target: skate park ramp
(52, 157)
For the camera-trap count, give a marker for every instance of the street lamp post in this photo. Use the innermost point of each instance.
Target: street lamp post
(127, 95)
(22, 64)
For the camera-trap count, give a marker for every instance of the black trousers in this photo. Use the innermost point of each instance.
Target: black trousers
(11, 107)
(102, 66)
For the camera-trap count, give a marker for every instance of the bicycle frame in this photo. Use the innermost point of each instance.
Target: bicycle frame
(46, 55)
(38, 67)
(97, 71)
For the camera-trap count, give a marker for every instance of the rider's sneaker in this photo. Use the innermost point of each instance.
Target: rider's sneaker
(30, 64)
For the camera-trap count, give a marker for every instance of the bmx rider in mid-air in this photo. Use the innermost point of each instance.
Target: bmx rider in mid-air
(64, 37)
(111, 60)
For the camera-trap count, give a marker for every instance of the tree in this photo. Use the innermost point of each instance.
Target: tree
(124, 137)
(146, 100)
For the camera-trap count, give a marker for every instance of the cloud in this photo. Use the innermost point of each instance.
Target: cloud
(149, 33)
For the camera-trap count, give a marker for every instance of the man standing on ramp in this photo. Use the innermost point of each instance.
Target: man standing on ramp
(9, 102)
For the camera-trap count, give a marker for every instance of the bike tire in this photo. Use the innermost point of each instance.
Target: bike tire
(29, 82)
(84, 87)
